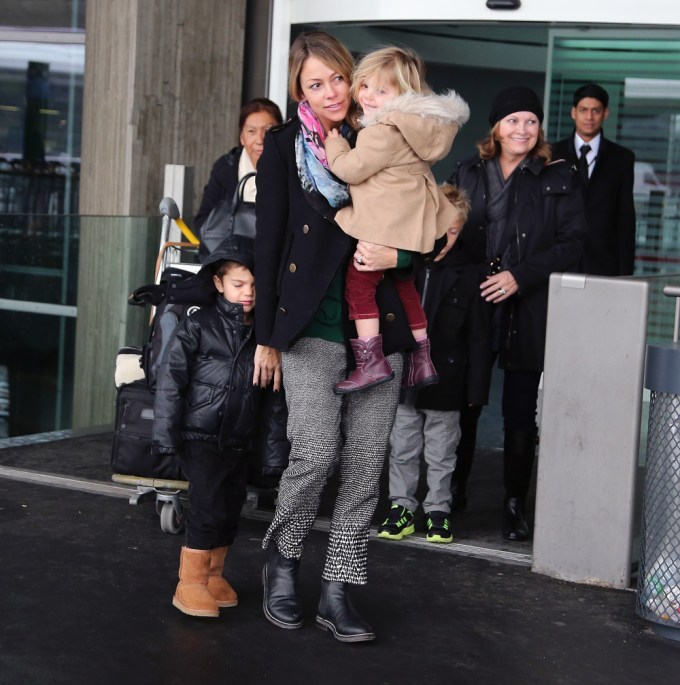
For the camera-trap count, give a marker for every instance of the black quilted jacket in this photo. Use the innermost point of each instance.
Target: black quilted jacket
(205, 386)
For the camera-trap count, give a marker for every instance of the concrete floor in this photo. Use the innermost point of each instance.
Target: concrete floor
(87, 581)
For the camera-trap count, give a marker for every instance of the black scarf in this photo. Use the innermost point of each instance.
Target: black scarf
(497, 207)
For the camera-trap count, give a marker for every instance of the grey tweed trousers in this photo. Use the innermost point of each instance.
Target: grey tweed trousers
(324, 429)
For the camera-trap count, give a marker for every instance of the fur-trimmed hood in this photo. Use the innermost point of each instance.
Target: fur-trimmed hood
(428, 121)
(447, 108)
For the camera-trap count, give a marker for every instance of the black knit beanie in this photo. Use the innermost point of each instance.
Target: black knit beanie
(515, 99)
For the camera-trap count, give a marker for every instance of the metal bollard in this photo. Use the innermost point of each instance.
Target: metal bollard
(658, 595)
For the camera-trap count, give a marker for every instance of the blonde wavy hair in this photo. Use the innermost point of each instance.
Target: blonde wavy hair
(490, 147)
(401, 66)
(458, 198)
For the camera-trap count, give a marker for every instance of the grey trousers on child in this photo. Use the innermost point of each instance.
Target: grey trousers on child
(434, 434)
(325, 429)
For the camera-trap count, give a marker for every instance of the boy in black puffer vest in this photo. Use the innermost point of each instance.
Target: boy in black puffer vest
(205, 411)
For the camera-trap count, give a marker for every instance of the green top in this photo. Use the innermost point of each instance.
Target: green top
(327, 322)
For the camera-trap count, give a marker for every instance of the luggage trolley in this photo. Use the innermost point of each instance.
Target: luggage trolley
(170, 494)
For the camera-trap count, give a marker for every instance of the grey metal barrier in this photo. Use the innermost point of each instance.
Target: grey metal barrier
(658, 596)
(590, 428)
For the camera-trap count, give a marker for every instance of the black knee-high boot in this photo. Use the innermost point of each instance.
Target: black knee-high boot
(519, 451)
(465, 452)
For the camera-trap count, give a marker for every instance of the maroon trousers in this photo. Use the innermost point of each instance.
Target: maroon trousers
(360, 289)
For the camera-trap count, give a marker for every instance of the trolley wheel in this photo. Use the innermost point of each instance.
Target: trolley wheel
(172, 518)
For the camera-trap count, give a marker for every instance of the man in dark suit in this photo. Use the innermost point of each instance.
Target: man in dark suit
(606, 171)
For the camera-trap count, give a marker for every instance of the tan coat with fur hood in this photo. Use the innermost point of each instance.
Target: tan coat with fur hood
(395, 198)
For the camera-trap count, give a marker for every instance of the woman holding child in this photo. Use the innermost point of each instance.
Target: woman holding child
(301, 257)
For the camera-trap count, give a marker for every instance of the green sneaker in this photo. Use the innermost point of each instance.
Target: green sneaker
(438, 527)
(399, 522)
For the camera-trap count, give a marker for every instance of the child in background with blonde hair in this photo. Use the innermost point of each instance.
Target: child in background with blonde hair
(395, 199)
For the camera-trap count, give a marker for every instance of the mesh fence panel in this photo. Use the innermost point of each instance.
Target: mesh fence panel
(658, 597)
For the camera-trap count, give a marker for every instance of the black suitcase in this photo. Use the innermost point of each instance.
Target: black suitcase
(132, 437)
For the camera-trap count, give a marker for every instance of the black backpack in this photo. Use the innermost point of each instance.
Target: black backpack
(178, 295)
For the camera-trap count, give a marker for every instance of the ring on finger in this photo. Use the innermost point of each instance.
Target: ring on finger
(502, 291)
(360, 260)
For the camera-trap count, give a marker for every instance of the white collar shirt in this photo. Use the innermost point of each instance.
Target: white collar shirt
(592, 154)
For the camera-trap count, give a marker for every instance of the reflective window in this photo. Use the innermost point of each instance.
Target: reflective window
(41, 84)
(49, 14)
(41, 95)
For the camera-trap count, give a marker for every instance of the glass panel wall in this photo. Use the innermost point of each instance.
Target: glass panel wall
(641, 73)
(38, 297)
(41, 84)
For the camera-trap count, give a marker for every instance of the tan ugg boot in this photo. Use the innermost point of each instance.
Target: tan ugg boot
(192, 595)
(223, 593)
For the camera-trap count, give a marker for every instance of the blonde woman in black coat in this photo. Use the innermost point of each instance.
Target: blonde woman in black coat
(532, 216)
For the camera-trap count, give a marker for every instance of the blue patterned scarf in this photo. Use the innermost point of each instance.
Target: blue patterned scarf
(310, 157)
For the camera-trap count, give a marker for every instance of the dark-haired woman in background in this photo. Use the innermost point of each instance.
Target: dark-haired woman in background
(255, 119)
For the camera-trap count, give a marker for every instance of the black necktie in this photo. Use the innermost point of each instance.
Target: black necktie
(583, 162)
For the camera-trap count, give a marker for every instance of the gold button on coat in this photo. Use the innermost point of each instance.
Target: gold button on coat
(292, 268)
(390, 317)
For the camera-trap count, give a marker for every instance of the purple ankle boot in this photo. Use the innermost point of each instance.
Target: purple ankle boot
(419, 370)
(372, 367)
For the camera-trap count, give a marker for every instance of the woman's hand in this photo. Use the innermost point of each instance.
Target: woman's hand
(499, 287)
(372, 257)
(267, 367)
(451, 237)
(333, 133)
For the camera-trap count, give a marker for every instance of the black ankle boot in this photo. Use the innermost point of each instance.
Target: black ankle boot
(515, 526)
(281, 602)
(337, 614)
